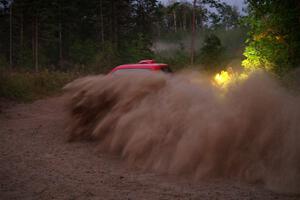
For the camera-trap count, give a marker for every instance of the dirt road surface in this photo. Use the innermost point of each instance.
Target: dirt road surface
(36, 162)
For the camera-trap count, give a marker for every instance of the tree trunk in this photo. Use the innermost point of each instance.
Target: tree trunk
(33, 41)
(184, 21)
(60, 42)
(193, 34)
(10, 38)
(22, 37)
(115, 23)
(200, 22)
(101, 23)
(36, 44)
(22, 31)
(60, 34)
(174, 18)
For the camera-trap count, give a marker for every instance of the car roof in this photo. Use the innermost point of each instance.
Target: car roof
(152, 66)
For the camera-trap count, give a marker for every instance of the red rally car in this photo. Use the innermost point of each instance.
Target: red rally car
(143, 65)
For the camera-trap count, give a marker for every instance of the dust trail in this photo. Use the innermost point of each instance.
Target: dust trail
(173, 125)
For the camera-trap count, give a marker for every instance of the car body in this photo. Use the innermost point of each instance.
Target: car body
(150, 65)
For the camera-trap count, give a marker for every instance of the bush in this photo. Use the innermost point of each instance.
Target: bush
(211, 53)
(3, 63)
(268, 54)
(105, 59)
(137, 49)
(82, 52)
(177, 60)
(25, 86)
(274, 36)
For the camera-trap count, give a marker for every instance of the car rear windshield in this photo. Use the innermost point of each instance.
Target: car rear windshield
(166, 69)
(132, 71)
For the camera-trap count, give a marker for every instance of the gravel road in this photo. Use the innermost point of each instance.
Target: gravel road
(36, 162)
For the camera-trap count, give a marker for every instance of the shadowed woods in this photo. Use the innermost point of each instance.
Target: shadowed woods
(184, 125)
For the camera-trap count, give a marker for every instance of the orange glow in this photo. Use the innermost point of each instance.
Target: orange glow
(225, 78)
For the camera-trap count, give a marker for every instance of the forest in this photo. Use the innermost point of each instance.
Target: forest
(150, 99)
(64, 37)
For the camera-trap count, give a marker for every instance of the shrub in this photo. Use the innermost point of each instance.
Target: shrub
(137, 49)
(211, 53)
(25, 86)
(3, 62)
(105, 59)
(274, 36)
(82, 52)
(177, 60)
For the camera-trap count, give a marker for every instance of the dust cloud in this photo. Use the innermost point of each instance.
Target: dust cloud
(182, 124)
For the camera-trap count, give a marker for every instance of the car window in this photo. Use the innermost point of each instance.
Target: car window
(166, 69)
(132, 71)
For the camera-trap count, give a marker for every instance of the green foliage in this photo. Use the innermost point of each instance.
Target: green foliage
(232, 39)
(274, 36)
(177, 61)
(212, 52)
(105, 58)
(82, 52)
(3, 62)
(267, 54)
(26, 86)
(25, 59)
(138, 49)
(15, 87)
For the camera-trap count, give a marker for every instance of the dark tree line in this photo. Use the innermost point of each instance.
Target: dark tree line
(55, 32)
(61, 34)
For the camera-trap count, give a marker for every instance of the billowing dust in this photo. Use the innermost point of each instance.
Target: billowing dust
(182, 124)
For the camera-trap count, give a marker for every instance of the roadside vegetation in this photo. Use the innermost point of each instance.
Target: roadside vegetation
(27, 86)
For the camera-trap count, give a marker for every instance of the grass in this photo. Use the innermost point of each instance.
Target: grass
(28, 86)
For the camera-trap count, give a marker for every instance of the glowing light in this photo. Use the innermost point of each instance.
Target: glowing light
(222, 79)
(225, 78)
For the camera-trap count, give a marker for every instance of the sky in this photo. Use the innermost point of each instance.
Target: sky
(238, 3)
